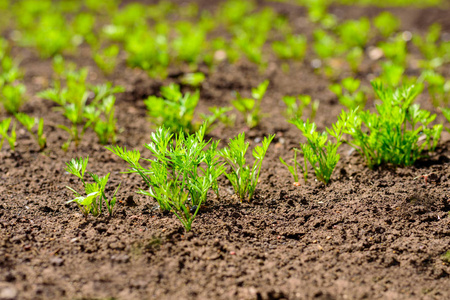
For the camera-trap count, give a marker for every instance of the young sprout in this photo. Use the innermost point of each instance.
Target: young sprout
(296, 166)
(319, 151)
(29, 122)
(296, 105)
(243, 177)
(348, 94)
(294, 47)
(251, 107)
(183, 169)
(398, 132)
(11, 137)
(95, 192)
(176, 111)
(12, 97)
(193, 79)
(386, 23)
(106, 59)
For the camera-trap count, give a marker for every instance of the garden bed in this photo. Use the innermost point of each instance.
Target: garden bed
(368, 234)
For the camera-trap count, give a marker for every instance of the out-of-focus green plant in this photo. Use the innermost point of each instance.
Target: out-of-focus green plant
(386, 23)
(349, 94)
(106, 59)
(296, 105)
(251, 107)
(29, 123)
(9, 137)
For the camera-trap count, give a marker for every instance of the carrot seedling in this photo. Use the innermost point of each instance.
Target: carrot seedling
(319, 151)
(95, 192)
(251, 107)
(242, 176)
(11, 137)
(183, 169)
(398, 132)
(30, 122)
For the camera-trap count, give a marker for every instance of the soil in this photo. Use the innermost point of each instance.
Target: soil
(369, 234)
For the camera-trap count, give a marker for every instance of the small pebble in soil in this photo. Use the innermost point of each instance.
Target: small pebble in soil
(8, 292)
(57, 261)
(232, 253)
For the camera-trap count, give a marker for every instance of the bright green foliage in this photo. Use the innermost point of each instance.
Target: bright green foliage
(189, 42)
(395, 50)
(181, 173)
(95, 192)
(72, 101)
(354, 58)
(397, 133)
(386, 23)
(193, 79)
(435, 51)
(348, 93)
(354, 33)
(176, 111)
(296, 105)
(243, 177)
(12, 97)
(319, 151)
(446, 113)
(325, 45)
(295, 167)
(294, 47)
(11, 137)
(30, 122)
(438, 87)
(251, 107)
(106, 59)
(149, 50)
(391, 74)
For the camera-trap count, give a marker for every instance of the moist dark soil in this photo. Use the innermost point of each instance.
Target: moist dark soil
(369, 234)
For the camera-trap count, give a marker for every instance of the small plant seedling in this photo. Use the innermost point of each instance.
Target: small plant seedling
(193, 79)
(296, 105)
(446, 112)
(386, 23)
(348, 94)
(11, 137)
(176, 111)
(296, 166)
(243, 177)
(95, 192)
(294, 47)
(12, 97)
(30, 122)
(438, 87)
(251, 107)
(397, 133)
(319, 151)
(106, 59)
(181, 173)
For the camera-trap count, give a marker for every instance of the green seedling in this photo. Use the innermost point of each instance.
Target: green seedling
(29, 123)
(294, 169)
(395, 50)
(434, 50)
(12, 97)
(75, 103)
(106, 59)
(176, 111)
(296, 105)
(149, 50)
(11, 137)
(250, 108)
(446, 112)
(438, 87)
(354, 58)
(319, 151)
(398, 132)
(386, 23)
(193, 79)
(181, 173)
(354, 33)
(294, 47)
(348, 93)
(95, 192)
(189, 43)
(243, 177)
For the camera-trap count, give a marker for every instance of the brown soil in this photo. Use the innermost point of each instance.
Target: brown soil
(370, 234)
